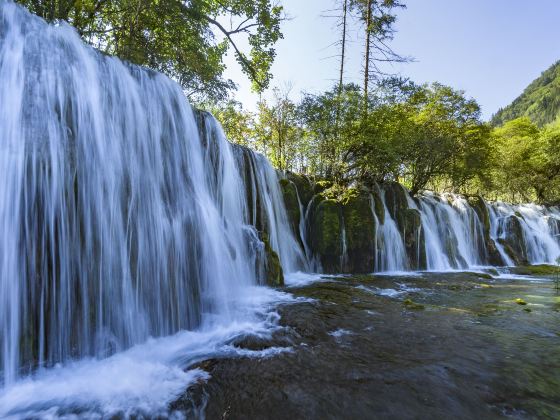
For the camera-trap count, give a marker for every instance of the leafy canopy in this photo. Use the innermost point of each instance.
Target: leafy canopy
(187, 40)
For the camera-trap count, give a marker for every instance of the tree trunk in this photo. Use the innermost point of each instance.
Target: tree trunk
(367, 53)
(343, 55)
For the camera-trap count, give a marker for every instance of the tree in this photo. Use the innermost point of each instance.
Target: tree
(378, 18)
(527, 161)
(237, 123)
(187, 40)
(277, 132)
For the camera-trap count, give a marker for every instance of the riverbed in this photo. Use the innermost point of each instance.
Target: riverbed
(421, 345)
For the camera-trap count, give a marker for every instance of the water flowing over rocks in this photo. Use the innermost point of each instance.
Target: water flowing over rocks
(126, 217)
(385, 229)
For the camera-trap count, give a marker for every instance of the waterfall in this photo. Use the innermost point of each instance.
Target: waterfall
(390, 251)
(539, 230)
(124, 214)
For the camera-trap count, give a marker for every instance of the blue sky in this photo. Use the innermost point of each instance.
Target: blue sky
(492, 49)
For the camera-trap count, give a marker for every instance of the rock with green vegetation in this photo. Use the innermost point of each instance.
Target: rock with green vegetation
(414, 240)
(290, 193)
(274, 274)
(325, 233)
(536, 270)
(410, 304)
(396, 201)
(479, 206)
(359, 225)
(378, 206)
(304, 187)
(520, 301)
(321, 186)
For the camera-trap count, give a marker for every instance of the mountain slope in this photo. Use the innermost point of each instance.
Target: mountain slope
(540, 101)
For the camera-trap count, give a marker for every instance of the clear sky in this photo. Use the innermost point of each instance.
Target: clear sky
(492, 49)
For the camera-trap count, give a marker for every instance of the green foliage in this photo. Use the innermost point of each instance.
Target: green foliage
(185, 40)
(527, 161)
(540, 101)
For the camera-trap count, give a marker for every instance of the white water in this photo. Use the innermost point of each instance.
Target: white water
(122, 222)
(540, 234)
(453, 234)
(390, 251)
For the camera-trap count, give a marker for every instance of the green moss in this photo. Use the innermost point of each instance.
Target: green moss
(360, 232)
(520, 301)
(291, 202)
(326, 234)
(409, 304)
(536, 270)
(304, 187)
(379, 207)
(274, 272)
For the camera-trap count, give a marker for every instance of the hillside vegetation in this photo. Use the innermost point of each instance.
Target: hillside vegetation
(540, 101)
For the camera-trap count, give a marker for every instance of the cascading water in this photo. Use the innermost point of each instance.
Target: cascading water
(538, 235)
(454, 233)
(119, 220)
(390, 250)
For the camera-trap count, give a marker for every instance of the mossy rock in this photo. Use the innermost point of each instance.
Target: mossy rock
(290, 193)
(410, 304)
(304, 187)
(479, 206)
(396, 200)
(414, 239)
(536, 270)
(321, 186)
(273, 267)
(378, 206)
(325, 233)
(359, 225)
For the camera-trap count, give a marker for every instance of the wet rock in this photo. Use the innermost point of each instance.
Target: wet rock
(396, 200)
(304, 187)
(514, 241)
(290, 194)
(326, 234)
(378, 206)
(536, 270)
(410, 304)
(273, 268)
(360, 234)
(414, 239)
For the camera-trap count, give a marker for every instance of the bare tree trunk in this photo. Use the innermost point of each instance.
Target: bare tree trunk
(367, 53)
(343, 55)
